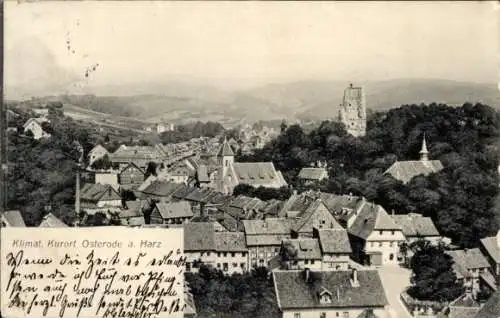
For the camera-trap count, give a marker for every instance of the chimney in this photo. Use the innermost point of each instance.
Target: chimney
(354, 278)
(77, 192)
(307, 272)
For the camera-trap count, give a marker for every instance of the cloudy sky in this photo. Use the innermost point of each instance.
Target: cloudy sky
(248, 43)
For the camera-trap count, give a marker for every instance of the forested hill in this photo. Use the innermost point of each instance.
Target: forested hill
(460, 198)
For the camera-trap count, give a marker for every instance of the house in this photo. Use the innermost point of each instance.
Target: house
(491, 308)
(141, 156)
(306, 253)
(106, 177)
(244, 208)
(335, 248)
(223, 250)
(131, 176)
(315, 215)
(203, 177)
(490, 247)
(375, 237)
(133, 212)
(314, 174)
(199, 245)
(99, 198)
(257, 174)
(190, 306)
(98, 152)
(264, 237)
(161, 189)
(468, 265)
(171, 213)
(35, 125)
(347, 294)
(180, 173)
(12, 218)
(463, 307)
(404, 171)
(415, 227)
(231, 252)
(50, 220)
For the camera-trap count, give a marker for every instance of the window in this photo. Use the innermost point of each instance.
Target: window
(306, 261)
(218, 265)
(381, 232)
(312, 262)
(235, 264)
(296, 315)
(218, 254)
(345, 314)
(261, 261)
(391, 257)
(233, 254)
(390, 244)
(380, 244)
(242, 265)
(225, 267)
(208, 253)
(323, 222)
(392, 232)
(224, 254)
(276, 250)
(322, 315)
(244, 254)
(201, 254)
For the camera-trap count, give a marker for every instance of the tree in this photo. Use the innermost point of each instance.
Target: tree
(103, 163)
(151, 169)
(288, 255)
(433, 276)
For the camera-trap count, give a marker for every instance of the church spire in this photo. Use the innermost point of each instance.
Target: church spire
(424, 153)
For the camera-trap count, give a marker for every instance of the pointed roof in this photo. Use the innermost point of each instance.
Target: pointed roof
(372, 217)
(424, 146)
(225, 150)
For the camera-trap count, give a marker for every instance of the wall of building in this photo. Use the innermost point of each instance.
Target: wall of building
(311, 264)
(331, 313)
(107, 178)
(387, 243)
(237, 262)
(321, 219)
(36, 129)
(261, 255)
(110, 203)
(334, 262)
(207, 258)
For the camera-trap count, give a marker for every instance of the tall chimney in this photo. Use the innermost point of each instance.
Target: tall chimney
(354, 278)
(77, 192)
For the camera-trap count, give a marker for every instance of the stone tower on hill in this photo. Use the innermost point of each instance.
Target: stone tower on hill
(353, 111)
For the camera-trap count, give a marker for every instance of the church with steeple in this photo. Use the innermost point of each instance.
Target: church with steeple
(229, 173)
(404, 171)
(352, 111)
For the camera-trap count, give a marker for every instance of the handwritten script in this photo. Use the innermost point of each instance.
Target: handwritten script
(92, 272)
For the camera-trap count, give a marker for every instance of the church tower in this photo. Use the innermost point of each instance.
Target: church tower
(424, 153)
(225, 156)
(353, 111)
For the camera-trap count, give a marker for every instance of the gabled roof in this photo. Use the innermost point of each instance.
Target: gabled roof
(169, 210)
(37, 120)
(163, 188)
(199, 236)
(304, 217)
(134, 209)
(307, 248)
(50, 220)
(98, 148)
(268, 226)
(416, 225)
(491, 308)
(225, 150)
(490, 244)
(92, 192)
(13, 218)
(334, 241)
(256, 173)
(230, 242)
(312, 173)
(467, 259)
(132, 165)
(372, 217)
(293, 292)
(406, 170)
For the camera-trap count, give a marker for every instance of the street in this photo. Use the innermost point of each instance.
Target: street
(395, 279)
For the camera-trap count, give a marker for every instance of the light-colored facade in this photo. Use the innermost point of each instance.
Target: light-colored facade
(98, 152)
(353, 111)
(386, 244)
(332, 313)
(35, 126)
(107, 177)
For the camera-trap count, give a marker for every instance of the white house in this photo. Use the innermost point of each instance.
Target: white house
(321, 294)
(35, 126)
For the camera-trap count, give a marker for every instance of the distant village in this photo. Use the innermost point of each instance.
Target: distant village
(343, 239)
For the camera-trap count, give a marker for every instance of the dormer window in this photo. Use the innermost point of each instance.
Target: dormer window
(325, 297)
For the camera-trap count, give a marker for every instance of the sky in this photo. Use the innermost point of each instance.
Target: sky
(246, 44)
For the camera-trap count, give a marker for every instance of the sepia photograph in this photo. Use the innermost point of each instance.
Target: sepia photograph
(255, 159)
